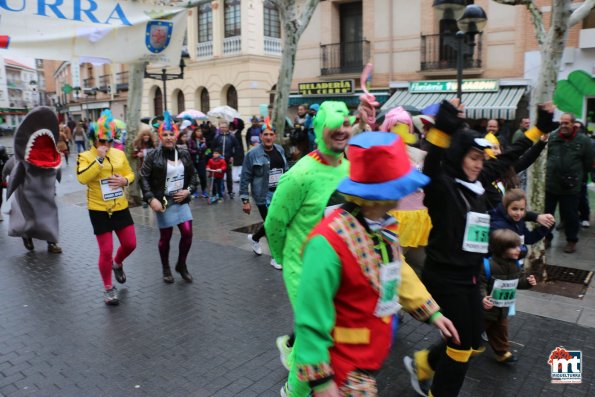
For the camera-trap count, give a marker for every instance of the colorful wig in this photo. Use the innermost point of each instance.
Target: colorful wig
(105, 128)
(168, 125)
(399, 121)
(330, 115)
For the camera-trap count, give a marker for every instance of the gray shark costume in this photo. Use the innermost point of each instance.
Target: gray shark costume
(33, 211)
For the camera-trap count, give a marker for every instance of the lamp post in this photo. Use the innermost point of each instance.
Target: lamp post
(164, 77)
(470, 19)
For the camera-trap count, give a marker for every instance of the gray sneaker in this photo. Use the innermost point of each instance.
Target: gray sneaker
(110, 296)
(421, 387)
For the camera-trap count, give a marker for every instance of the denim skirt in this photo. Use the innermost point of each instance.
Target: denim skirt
(173, 215)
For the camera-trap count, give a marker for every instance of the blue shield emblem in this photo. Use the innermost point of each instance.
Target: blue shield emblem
(158, 35)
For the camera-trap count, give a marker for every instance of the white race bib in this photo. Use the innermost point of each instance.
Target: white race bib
(274, 176)
(390, 280)
(477, 233)
(109, 193)
(174, 184)
(504, 292)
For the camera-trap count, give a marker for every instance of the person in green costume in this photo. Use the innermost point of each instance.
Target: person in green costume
(299, 203)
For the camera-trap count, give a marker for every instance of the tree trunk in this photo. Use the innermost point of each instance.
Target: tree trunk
(551, 52)
(290, 43)
(135, 94)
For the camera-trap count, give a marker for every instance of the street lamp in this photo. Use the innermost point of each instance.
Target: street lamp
(164, 77)
(471, 23)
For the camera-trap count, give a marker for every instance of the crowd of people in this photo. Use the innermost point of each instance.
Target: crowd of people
(425, 215)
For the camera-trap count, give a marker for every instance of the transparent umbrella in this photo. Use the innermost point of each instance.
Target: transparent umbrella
(226, 113)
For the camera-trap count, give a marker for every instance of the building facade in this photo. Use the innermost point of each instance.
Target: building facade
(234, 48)
(18, 91)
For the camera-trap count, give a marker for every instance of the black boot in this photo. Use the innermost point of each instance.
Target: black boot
(183, 270)
(167, 277)
(28, 243)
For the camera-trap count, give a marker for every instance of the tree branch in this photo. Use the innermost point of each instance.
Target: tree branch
(306, 14)
(513, 2)
(537, 19)
(581, 12)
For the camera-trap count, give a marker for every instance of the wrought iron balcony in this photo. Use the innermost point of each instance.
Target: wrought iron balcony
(122, 81)
(439, 51)
(105, 83)
(89, 83)
(348, 57)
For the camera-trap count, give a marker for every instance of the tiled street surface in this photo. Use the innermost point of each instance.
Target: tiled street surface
(214, 337)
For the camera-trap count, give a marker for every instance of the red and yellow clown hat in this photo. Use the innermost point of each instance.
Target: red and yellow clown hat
(106, 127)
(168, 124)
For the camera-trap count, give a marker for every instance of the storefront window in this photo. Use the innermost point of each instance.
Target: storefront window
(232, 18)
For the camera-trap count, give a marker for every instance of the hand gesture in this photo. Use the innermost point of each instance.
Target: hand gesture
(545, 118)
(487, 302)
(447, 328)
(546, 220)
(181, 195)
(531, 280)
(102, 151)
(156, 205)
(247, 208)
(116, 181)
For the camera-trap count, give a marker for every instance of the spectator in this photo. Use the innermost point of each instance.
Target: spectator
(523, 126)
(236, 127)
(253, 133)
(584, 211)
(569, 160)
(197, 147)
(230, 148)
(79, 137)
(494, 127)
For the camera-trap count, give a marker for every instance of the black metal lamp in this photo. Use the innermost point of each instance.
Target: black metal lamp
(449, 9)
(164, 77)
(473, 20)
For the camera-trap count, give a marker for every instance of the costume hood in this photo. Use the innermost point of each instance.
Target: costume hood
(35, 139)
(331, 114)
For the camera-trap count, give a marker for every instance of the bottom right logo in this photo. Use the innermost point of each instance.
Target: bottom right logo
(566, 365)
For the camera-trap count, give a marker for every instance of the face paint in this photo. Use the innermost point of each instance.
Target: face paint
(330, 116)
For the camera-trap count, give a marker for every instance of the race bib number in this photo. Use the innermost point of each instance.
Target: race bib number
(504, 292)
(274, 176)
(174, 184)
(109, 193)
(477, 233)
(390, 279)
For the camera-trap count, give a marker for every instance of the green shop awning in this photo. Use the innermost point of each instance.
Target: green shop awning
(350, 100)
(501, 104)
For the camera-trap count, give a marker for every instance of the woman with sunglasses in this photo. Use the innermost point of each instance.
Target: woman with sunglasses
(167, 181)
(106, 171)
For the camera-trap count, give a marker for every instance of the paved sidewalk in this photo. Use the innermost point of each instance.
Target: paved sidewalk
(214, 337)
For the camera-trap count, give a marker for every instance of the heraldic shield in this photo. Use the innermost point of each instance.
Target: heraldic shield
(158, 35)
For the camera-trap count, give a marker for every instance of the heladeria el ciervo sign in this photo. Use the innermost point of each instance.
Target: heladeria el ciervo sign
(98, 31)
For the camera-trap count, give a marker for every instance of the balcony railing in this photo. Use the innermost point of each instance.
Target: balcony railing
(105, 82)
(349, 57)
(89, 83)
(272, 46)
(232, 45)
(122, 81)
(204, 50)
(439, 51)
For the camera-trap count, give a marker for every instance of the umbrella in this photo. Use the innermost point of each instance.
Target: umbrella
(192, 114)
(223, 113)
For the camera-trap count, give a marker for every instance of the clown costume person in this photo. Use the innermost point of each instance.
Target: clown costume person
(301, 197)
(355, 277)
(167, 181)
(106, 172)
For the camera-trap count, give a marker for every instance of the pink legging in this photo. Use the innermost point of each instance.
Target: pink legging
(185, 242)
(127, 237)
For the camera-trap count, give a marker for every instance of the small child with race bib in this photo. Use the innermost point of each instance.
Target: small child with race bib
(499, 282)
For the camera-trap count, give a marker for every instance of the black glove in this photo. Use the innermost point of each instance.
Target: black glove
(545, 121)
(447, 119)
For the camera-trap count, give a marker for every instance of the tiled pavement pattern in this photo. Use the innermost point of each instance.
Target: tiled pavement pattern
(214, 337)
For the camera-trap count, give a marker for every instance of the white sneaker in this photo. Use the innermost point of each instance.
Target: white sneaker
(255, 245)
(585, 224)
(276, 265)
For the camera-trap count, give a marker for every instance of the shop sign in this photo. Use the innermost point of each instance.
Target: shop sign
(432, 86)
(335, 87)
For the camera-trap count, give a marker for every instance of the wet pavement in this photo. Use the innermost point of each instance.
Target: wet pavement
(214, 337)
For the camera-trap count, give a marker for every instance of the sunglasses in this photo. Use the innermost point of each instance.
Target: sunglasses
(105, 140)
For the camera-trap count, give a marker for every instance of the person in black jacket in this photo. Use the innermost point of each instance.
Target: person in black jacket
(230, 148)
(458, 241)
(167, 181)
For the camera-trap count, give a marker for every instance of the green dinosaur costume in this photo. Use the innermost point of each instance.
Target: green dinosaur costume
(301, 197)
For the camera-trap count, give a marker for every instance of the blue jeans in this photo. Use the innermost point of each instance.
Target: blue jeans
(80, 146)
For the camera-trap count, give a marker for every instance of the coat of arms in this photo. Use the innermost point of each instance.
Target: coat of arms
(158, 35)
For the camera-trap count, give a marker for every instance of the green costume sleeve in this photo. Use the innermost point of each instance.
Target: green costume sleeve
(315, 314)
(286, 203)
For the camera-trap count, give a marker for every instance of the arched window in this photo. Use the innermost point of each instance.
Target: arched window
(205, 101)
(272, 24)
(181, 105)
(232, 97)
(272, 93)
(158, 102)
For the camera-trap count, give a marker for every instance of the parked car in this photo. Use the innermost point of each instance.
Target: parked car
(5, 129)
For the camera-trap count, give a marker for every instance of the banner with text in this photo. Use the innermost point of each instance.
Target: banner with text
(98, 31)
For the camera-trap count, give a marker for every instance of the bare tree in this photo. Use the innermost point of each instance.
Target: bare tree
(295, 16)
(551, 47)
